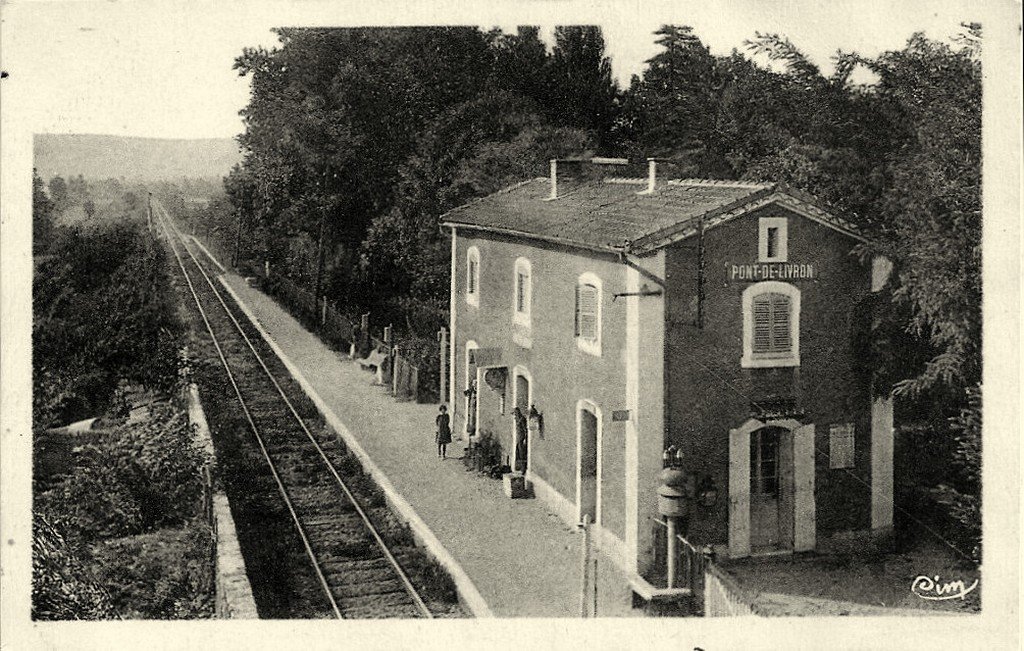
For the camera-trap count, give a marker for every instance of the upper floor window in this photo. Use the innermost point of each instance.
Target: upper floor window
(588, 314)
(772, 241)
(771, 325)
(473, 276)
(523, 292)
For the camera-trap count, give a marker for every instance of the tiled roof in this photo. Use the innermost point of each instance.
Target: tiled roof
(613, 214)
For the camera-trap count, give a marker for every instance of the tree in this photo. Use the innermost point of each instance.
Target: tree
(42, 215)
(932, 209)
(902, 158)
(131, 201)
(473, 150)
(670, 111)
(581, 91)
(59, 192)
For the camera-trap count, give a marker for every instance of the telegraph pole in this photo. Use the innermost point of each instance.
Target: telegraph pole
(149, 211)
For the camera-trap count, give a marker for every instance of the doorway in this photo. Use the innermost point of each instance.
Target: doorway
(588, 424)
(470, 391)
(521, 411)
(771, 489)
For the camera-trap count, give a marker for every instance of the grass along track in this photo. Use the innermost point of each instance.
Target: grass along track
(317, 536)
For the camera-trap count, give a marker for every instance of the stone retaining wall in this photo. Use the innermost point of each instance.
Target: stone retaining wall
(234, 598)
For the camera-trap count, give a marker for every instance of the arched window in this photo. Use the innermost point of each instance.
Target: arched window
(522, 292)
(588, 314)
(771, 325)
(473, 276)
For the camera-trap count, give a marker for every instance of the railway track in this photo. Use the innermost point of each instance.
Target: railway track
(357, 572)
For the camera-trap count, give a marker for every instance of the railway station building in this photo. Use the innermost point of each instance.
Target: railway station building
(597, 323)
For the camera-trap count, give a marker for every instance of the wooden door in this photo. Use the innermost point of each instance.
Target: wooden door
(765, 488)
(588, 464)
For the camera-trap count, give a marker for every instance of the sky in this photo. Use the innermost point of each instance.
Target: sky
(163, 69)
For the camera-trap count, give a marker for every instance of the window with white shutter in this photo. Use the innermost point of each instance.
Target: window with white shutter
(473, 276)
(588, 314)
(771, 325)
(523, 292)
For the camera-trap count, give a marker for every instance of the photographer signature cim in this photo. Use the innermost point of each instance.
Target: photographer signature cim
(932, 589)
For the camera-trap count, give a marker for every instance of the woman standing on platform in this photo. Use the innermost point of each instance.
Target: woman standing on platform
(444, 432)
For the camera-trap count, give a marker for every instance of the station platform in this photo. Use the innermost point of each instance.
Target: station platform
(510, 558)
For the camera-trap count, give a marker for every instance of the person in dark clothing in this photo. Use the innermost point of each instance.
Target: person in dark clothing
(444, 432)
(521, 441)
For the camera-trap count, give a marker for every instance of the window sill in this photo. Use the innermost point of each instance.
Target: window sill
(589, 347)
(521, 337)
(769, 362)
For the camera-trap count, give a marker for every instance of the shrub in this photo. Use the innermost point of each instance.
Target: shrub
(62, 586)
(166, 574)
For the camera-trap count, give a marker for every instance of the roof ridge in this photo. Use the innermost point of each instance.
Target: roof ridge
(755, 185)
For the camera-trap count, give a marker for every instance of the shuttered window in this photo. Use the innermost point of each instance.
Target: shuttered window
(772, 314)
(586, 312)
(521, 288)
(473, 276)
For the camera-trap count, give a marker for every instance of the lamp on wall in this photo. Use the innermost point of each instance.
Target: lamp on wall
(535, 422)
(707, 492)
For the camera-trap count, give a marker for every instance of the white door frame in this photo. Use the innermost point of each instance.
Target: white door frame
(470, 345)
(804, 517)
(517, 372)
(592, 407)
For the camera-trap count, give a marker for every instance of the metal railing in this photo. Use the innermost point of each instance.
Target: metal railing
(688, 563)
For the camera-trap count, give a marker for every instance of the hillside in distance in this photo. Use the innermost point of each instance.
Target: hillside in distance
(134, 159)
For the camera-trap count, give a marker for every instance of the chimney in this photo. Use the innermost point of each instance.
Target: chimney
(554, 179)
(652, 174)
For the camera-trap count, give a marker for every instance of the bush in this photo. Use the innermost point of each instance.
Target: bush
(95, 501)
(102, 312)
(62, 586)
(139, 477)
(166, 574)
(938, 470)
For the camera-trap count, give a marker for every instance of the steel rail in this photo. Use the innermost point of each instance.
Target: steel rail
(259, 439)
(409, 587)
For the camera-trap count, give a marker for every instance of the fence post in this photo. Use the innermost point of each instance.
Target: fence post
(442, 395)
(394, 370)
(266, 268)
(364, 333)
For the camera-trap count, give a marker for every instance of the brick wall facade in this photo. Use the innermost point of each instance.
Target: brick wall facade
(709, 393)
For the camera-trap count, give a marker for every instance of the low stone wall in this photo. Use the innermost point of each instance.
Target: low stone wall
(234, 594)
(723, 597)
(234, 598)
